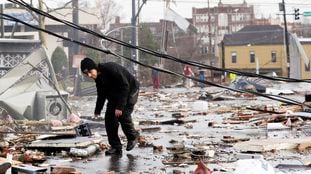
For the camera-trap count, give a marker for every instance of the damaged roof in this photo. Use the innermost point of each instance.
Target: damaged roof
(256, 35)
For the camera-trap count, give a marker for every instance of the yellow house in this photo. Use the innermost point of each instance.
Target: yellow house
(256, 49)
(260, 49)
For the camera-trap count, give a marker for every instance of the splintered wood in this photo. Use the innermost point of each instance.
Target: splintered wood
(265, 145)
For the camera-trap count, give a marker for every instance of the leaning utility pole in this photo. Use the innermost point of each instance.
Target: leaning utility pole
(286, 39)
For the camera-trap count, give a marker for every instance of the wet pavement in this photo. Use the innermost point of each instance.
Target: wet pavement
(195, 133)
(159, 107)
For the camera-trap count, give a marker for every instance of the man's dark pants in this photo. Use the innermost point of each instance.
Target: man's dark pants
(112, 125)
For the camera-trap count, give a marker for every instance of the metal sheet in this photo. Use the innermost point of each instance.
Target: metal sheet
(15, 74)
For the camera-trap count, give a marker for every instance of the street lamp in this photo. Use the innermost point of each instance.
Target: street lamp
(102, 41)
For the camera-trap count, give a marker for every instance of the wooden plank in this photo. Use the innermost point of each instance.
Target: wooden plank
(78, 142)
(270, 144)
(62, 128)
(24, 168)
(230, 139)
(247, 116)
(234, 122)
(151, 129)
(69, 133)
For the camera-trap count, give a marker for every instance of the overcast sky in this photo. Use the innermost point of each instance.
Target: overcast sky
(153, 10)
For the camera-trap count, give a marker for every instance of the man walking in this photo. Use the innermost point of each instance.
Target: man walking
(120, 88)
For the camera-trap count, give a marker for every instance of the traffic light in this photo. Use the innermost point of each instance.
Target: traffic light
(297, 14)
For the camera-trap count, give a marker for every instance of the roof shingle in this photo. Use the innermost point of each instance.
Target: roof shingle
(256, 35)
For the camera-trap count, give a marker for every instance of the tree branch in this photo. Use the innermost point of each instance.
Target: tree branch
(32, 14)
(89, 13)
(49, 10)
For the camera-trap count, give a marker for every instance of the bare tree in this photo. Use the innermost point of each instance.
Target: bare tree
(108, 11)
(41, 19)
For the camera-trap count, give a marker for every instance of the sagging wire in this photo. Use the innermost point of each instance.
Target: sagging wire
(270, 96)
(154, 53)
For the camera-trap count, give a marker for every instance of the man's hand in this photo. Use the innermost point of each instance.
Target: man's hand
(118, 113)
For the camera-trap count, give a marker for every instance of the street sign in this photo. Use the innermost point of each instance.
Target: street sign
(307, 13)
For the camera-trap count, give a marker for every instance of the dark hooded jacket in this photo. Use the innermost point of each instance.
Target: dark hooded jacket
(115, 84)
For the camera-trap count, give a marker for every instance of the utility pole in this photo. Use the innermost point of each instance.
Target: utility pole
(133, 40)
(136, 67)
(42, 25)
(286, 39)
(164, 30)
(75, 20)
(210, 54)
(75, 47)
(73, 33)
(164, 33)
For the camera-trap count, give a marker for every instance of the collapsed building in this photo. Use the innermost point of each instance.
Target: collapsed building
(29, 89)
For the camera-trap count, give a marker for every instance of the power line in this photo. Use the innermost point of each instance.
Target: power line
(154, 53)
(273, 97)
(270, 96)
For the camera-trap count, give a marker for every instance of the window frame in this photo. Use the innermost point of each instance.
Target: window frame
(307, 67)
(273, 58)
(252, 57)
(234, 57)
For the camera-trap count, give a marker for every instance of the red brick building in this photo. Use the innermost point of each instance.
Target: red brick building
(224, 19)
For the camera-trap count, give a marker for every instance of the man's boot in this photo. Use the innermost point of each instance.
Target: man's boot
(131, 144)
(114, 151)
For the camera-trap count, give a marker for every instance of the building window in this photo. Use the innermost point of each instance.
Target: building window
(233, 57)
(307, 67)
(273, 56)
(212, 18)
(204, 50)
(252, 56)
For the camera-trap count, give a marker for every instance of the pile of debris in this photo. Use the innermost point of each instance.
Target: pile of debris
(26, 144)
(254, 133)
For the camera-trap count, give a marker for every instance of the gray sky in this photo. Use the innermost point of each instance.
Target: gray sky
(153, 10)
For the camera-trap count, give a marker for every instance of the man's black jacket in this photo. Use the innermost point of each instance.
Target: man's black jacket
(115, 84)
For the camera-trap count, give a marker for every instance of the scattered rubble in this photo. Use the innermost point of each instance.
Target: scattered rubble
(178, 131)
